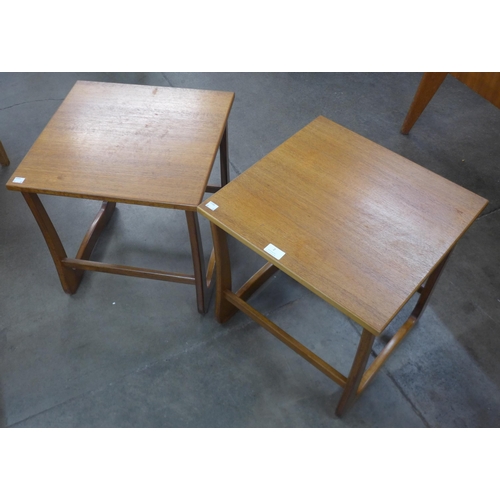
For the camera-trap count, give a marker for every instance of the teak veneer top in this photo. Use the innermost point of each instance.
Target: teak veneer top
(128, 143)
(361, 226)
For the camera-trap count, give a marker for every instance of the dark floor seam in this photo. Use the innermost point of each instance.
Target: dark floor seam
(144, 367)
(168, 81)
(400, 389)
(49, 409)
(28, 102)
(137, 370)
(489, 213)
(237, 170)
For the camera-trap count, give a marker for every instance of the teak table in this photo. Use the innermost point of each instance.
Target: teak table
(486, 85)
(360, 226)
(134, 144)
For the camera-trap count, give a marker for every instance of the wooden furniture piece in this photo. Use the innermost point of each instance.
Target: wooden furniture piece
(485, 84)
(360, 226)
(4, 159)
(135, 144)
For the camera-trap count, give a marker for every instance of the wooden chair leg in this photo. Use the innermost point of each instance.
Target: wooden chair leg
(69, 278)
(357, 369)
(223, 308)
(427, 88)
(202, 290)
(4, 159)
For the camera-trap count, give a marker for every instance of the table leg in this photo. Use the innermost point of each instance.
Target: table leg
(224, 310)
(228, 303)
(425, 294)
(4, 159)
(428, 288)
(224, 165)
(69, 277)
(204, 287)
(96, 228)
(202, 290)
(427, 88)
(357, 369)
(224, 159)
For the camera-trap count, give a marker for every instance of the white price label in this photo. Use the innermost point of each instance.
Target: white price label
(274, 251)
(212, 206)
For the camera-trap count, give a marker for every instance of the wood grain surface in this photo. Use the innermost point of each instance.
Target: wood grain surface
(128, 143)
(361, 226)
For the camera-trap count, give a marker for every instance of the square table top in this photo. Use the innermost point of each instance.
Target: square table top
(128, 143)
(361, 226)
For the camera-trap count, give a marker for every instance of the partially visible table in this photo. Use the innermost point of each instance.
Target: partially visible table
(360, 226)
(486, 85)
(134, 144)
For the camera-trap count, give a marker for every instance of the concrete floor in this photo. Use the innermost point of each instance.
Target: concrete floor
(125, 352)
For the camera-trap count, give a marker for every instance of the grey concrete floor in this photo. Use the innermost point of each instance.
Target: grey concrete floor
(125, 352)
